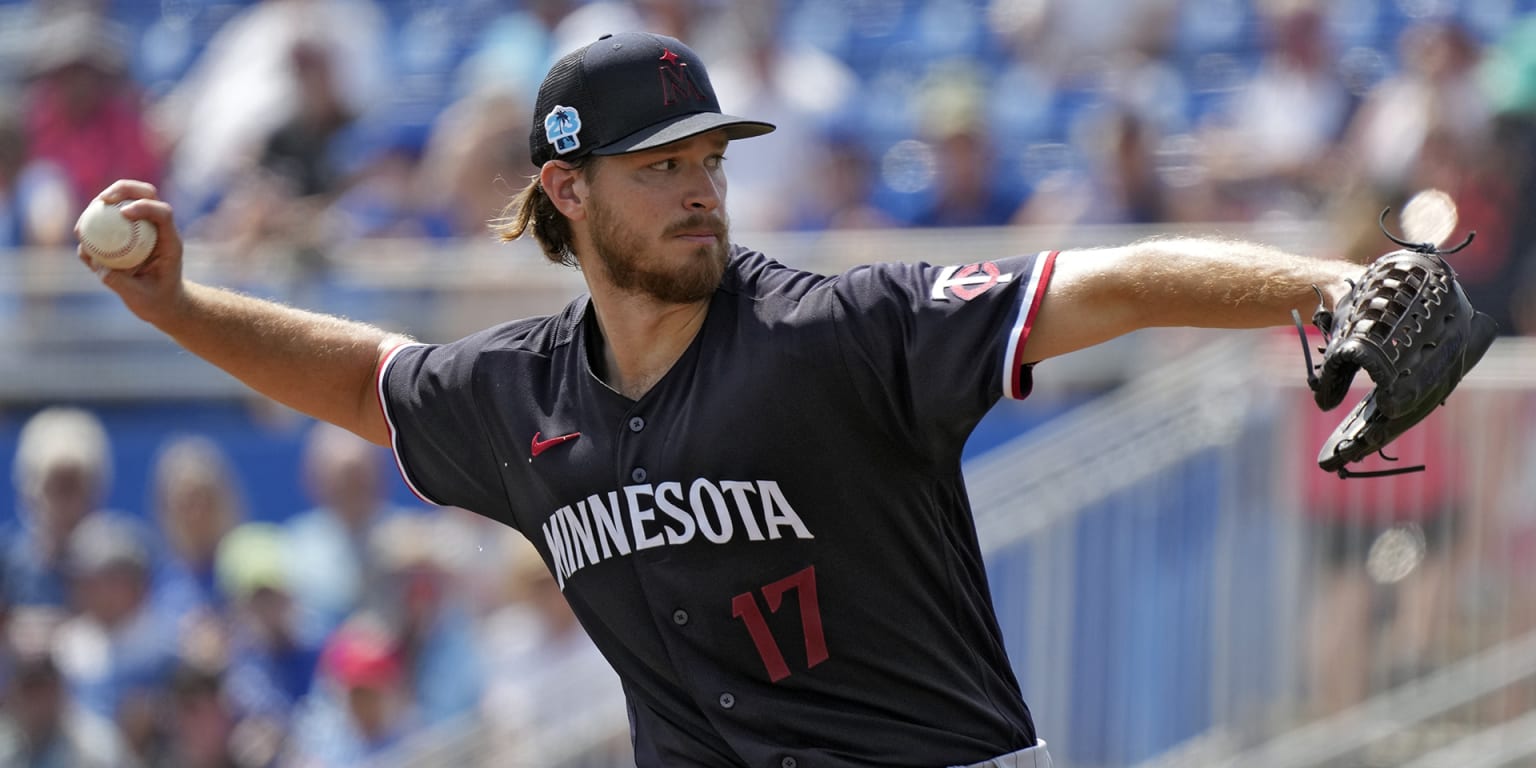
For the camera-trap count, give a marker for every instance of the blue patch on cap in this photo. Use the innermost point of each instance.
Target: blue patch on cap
(560, 128)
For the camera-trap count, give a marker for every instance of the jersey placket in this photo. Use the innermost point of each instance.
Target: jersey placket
(672, 613)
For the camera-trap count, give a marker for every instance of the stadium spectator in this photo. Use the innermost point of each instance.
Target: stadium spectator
(297, 154)
(968, 190)
(475, 154)
(330, 564)
(62, 471)
(241, 89)
(1432, 125)
(360, 707)
(385, 194)
(41, 727)
(1508, 74)
(842, 199)
(284, 197)
(514, 49)
(114, 653)
(546, 678)
(84, 116)
(1434, 96)
(1121, 186)
(418, 556)
(770, 77)
(1131, 190)
(201, 722)
(271, 667)
(196, 502)
(1273, 155)
(1489, 180)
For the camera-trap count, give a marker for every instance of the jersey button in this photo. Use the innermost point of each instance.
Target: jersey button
(727, 701)
(788, 762)
(636, 423)
(680, 617)
(637, 474)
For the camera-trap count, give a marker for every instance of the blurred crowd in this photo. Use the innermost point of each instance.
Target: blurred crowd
(187, 635)
(311, 123)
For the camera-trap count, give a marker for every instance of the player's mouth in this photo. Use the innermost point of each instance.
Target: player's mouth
(698, 230)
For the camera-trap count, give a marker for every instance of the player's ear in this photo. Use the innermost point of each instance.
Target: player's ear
(566, 187)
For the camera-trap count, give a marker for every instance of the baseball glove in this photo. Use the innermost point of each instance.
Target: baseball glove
(1408, 323)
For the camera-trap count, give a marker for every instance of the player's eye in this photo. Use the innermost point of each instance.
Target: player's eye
(715, 161)
(664, 165)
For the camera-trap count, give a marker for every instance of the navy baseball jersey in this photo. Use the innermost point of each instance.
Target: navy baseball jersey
(773, 546)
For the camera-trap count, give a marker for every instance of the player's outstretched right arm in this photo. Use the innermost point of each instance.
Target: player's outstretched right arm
(321, 365)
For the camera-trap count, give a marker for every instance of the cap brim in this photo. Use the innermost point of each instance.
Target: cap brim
(684, 127)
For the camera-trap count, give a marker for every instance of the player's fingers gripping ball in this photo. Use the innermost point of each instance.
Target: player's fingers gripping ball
(111, 239)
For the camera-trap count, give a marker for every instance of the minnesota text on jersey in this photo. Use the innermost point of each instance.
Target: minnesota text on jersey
(597, 528)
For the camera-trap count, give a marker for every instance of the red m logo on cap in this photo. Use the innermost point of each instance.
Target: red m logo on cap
(676, 81)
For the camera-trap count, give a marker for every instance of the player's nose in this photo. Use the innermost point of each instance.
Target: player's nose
(703, 190)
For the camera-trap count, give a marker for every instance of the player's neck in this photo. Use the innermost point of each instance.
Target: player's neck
(639, 339)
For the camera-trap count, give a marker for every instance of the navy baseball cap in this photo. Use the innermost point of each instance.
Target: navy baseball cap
(624, 93)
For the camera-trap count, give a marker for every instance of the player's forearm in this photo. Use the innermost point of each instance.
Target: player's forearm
(1227, 283)
(320, 365)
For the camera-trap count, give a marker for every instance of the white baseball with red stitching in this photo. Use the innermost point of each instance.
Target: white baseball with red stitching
(111, 239)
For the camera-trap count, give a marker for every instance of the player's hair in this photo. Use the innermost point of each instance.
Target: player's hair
(532, 212)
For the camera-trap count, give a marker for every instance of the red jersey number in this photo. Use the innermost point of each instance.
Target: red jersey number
(744, 607)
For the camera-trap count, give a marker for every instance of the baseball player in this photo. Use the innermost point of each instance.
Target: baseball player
(744, 477)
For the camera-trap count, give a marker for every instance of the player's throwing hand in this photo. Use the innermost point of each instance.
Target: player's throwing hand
(154, 285)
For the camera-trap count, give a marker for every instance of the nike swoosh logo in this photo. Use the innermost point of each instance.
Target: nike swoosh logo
(540, 446)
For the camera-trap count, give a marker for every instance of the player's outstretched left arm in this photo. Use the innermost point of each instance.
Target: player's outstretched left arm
(1097, 295)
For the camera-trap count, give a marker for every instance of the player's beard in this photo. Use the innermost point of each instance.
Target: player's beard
(632, 267)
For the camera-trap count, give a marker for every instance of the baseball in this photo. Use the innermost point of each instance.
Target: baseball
(1429, 217)
(111, 239)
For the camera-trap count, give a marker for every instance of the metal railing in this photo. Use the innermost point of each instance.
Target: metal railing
(1155, 573)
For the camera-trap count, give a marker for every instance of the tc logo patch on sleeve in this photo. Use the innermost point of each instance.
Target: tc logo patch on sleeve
(967, 282)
